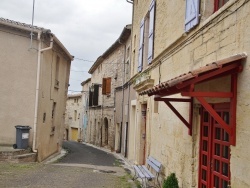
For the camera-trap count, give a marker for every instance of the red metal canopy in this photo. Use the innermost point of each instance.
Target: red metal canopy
(184, 84)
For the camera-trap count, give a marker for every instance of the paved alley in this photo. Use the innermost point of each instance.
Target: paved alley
(84, 166)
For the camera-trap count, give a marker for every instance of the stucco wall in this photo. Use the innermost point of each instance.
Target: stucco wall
(74, 103)
(50, 131)
(218, 36)
(17, 81)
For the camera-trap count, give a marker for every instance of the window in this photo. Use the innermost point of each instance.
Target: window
(53, 110)
(53, 118)
(93, 95)
(75, 114)
(146, 44)
(57, 66)
(106, 86)
(128, 52)
(57, 72)
(127, 70)
(75, 100)
(192, 14)
(44, 117)
(218, 4)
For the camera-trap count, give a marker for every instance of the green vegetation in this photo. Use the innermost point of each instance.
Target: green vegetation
(171, 181)
(117, 163)
(127, 182)
(124, 182)
(15, 169)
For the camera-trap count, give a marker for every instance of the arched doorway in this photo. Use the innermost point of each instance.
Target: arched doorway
(106, 131)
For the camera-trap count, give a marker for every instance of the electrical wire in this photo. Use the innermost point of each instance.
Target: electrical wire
(77, 71)
(83, 59)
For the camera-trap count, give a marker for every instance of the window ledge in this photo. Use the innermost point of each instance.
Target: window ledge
(144, 85)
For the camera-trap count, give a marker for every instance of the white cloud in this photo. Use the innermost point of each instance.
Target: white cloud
(86, 28)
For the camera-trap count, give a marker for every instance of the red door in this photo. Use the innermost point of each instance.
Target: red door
(214, 170)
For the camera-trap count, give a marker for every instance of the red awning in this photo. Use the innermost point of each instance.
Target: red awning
(185, 83)
(211, 71)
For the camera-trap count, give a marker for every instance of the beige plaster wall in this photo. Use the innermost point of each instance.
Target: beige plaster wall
(218, 36)
(17, 81)
(71, 106)
(50, 131)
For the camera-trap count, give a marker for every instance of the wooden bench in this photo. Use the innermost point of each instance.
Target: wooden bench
(143, 172)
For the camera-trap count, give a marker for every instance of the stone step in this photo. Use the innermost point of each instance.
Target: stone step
(14, 152)
(16, 155)
(27, 157)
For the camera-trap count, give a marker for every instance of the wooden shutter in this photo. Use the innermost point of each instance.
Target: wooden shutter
(108, 85)
(104, 86)
(151, 31)
(192, 14)
(95, 95)
(90, 98)
(141, 46)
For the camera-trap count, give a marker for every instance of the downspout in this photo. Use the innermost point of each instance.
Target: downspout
(123, 86)
(38, 84)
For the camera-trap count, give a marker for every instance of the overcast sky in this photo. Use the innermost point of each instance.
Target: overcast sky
(85, 27)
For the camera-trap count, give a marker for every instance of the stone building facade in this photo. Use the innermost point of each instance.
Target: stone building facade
(73, 117)
(105, 77)
(85, 97)
(34, 84)
(123, 96)
(191, 76)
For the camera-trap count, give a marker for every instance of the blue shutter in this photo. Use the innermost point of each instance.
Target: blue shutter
(141, 46)
(192, 14)
(151, 31)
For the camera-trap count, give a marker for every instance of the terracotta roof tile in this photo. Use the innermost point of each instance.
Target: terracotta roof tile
(192, 74)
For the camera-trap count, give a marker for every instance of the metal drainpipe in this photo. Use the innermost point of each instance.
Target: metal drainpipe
(38, 84)
(123, 82)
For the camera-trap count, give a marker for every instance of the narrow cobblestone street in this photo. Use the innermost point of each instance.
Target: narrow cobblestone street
(83, 166)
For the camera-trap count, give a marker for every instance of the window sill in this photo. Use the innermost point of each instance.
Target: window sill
(52, 133)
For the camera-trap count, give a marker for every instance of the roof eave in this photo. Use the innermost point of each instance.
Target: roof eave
(126, 32)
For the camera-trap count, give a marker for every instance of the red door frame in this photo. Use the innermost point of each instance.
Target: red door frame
(214, 157)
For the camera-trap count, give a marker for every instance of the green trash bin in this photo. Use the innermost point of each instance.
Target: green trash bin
(22, 137)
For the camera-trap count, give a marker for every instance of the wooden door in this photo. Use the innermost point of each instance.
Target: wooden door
(74, 134)
(214, 170)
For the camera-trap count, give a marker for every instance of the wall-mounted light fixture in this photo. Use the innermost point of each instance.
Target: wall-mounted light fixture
(92, 87)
